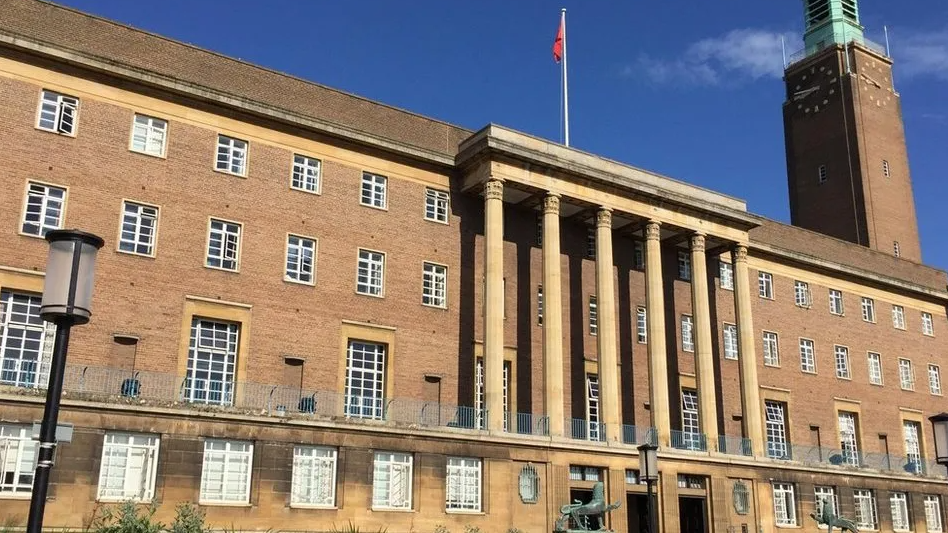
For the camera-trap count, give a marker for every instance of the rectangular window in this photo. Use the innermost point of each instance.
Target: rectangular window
(836, 302)
(593, 316)
(539, 305)
(57, 113)
(436, 207)
(933, 521)
(896, 251)
(139, 225)
(824, 496)
(912, 431)
(584, 473)
(374, 191)
(727, 275)
(867, 515)
(641, 325)
(875, 368)
(765, 285)
(300, 260)
(44, 209)
(849, 438)
(591, 243)
(392, 481)
(885, 168)
(463, 484)
(928, 327)
(434, 285)
(785, 504)
(807, 356)
(906, 375)
(148, 135)
(306, 174)
(898, 317)
(822, 174)
(777, 447)
(842, 362)
(479, 422)
(225, 475)
(370, 274)
(690, 421)
(129, 464)
(684, 266)
(231, 155)
(638, 255)
(314, 476)
(17, 459)
(592, 406)
(26, 340)
(771, 349)
(898, 502)
(868, 310)
(212, 360)
(934, 379)
(687, 339)
(539, 229)
(730, 341)
(801, 293)
(223, 245)
(365, 380)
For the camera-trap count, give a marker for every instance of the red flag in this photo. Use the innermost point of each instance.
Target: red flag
(558, 44)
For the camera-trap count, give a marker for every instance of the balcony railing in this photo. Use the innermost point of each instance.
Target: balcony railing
(532, 424)
(816, 456)
(735, 445)
(639, 435)
(686, 440)
(582, 429)
(800, 55)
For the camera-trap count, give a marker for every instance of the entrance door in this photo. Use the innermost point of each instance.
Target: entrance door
(692, 515)
(635, 505)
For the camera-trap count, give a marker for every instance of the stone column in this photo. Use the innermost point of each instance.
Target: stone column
(657, 354)
(750, 392)
(552, 316)
(606, 334)
(704, 355)
(494, 303)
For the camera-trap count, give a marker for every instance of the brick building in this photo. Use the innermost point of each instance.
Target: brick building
(315, 308)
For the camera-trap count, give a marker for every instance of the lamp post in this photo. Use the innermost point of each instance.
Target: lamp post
(940, 432)
(648, 471)
(67, 298)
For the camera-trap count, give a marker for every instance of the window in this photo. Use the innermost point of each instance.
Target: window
(777, 447)
(365, 380)
(684, 266)
(898, 502)
(436, 207)
(212, 359)
(727, 275)
(44, 209)
(17, 459)
(911, 431)
(591, 243)
(539, 305)
(928, 327)
(139, 224)
(875, 368)
(836, 302)
(807, 356)
(822, 174)
(842, 362)
(434, 285)
(771, 349)
(906, 375)
(848, 438)
(26, 340)
(593, 316)
(479, 412)
(801, 293)
(765, 285)
(867, 515)
(691, 481)
(898, 317)
(785, 505)
(231, 155)
(687, 339)
(641, 325)
(933, 514)
(934, 379)
(463, 484)
(370, 275)
(730, 341)
(885, 168)
(868, 310)
(129, 463)
(148, 135)
(223, 245)
(638, 255)
(225, 475)
(592, 406)
(391, 481)
(374, 189)
(584, 473)
(540, 230)
(300, 259)
(690, 422)
(824, 496)
(306, 174)
(57, 113)
(314, 476)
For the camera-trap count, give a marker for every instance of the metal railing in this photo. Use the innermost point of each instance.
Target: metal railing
(639, 435)
(735, 445)
(532, 424)
(686, 440)
(800, 55)
(582, 429)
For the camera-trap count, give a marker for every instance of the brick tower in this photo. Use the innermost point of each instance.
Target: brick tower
(847, 162)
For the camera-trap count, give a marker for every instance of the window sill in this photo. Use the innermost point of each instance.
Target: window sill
(224, 504)
(122, 500)
(442, 308)
(229, 173)
(463, 512)
(377, 208)
(317, 192)
(15, 496)
(313, 507)
(771, 366)
(295, 282)
(135, 254)
(387, 510)
(54, 132)
(379, 296)
(31, 235)
(442, 222)
(222, 269)
(156, 156)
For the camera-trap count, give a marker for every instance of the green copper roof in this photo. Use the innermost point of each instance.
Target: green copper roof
(830, 22)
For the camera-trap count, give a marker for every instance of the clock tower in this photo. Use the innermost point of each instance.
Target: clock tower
(847, 162)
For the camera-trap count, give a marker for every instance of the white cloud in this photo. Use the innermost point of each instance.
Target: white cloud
(922, 54)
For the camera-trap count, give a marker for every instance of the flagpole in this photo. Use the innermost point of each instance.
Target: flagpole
(565, 81)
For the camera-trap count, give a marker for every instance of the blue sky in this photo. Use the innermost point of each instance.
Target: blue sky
(688, 89)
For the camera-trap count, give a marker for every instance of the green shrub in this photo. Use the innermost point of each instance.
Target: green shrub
(188, 519)
(128, 517)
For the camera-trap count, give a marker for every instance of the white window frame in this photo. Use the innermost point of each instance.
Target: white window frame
(690, 419)
(236, 470)
(849, 437)
(26, 340)
(785, 504)
(801, 293)
(638, 255)
(135, 236)
(898, 504)
(313, 482)
(874, 361)
(223, 244)
(149, 135)
(370, 273)
(120, 452)
(731, 346)
(306, 174)
(868, 310)
(775, 414)
(390, 468)
(39, 194)
(463, 485)
(934, 379)
(593, 315)
(232, 155)
(437, 205)
(822, 174)
(641, 325)
(373, 191)
(211, 372)
(684, 266)
(594, 432)
(771, 348)
(822, 494)
(928, 325)
(540, 305)
(933, 518)
(867, 512)
(807, 355)
(898, 317)
(591, 245)
(434, 285)
(886, 170)
(906, 374)
(912, 440)
(765, 285)
(896, 250)
(836, 302)
(53, 108)
(18, 453)
(687, 334)
(726, 275)
(841, 357)
(300, 263)
(366, 372)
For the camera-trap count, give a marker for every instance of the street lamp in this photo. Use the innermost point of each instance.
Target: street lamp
(67, 299)
(648, 471)
(940, 432)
